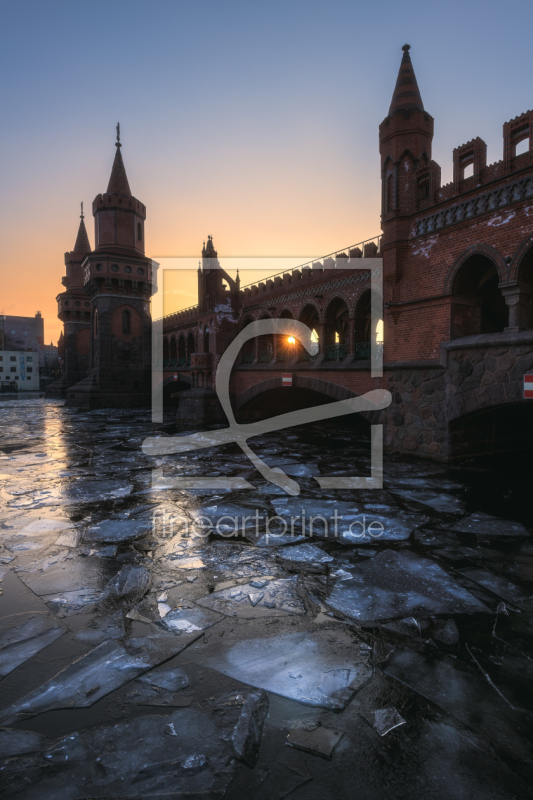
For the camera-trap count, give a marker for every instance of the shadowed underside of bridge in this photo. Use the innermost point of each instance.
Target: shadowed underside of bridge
(269, 398)
(501, 429)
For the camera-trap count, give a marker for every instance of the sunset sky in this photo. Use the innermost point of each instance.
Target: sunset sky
(254, 122)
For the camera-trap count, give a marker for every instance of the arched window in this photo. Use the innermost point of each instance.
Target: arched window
(126, 322)
(139, 232)
(206, 340)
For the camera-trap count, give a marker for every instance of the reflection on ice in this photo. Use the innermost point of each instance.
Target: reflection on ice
(398, 584)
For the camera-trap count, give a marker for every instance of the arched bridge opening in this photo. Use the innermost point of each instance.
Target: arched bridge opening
(270, 398)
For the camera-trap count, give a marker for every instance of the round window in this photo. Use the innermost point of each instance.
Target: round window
(87, 304)
(78, 303)
(127, 270)
(24, 333)
(140, 271)
(12, 333)
(99, 267)
(67, 303)
(114, 267)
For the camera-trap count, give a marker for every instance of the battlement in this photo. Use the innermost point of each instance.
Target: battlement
(184, 317)
(308, 272)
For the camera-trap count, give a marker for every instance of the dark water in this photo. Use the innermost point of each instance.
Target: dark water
(390, 628)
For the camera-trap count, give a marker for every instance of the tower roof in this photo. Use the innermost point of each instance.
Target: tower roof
(208, 250)
(82, 245)
(118, 181)
(406, 92)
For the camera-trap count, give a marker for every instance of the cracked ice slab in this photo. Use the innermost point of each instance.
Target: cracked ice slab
(175, 756)
(96, 674)
(342, 521)
(303, 556)
(63, 572)
(275, 598)
(316, 666)
(26, 639)
(114, 531)
(394, 585)
(484, 526)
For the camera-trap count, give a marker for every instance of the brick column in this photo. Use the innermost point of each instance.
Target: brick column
(351, 336)
(321, 330)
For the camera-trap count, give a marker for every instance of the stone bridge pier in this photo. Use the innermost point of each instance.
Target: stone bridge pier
(471, 405)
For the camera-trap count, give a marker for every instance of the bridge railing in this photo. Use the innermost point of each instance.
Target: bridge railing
(335, 352)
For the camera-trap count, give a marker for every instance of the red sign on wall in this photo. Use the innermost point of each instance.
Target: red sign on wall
(528, 385)
(286, 379)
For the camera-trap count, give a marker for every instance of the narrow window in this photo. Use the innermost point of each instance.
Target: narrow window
(126, 322)
(468, 171)
(139, 232)
(390, 193)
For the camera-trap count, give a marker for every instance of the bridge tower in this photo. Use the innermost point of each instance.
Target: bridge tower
(120, 280)
(408, 175)
(74, 311)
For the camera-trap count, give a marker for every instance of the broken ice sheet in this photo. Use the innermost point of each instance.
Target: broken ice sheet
(64, 494)
(443, 503)
(303, 556)
(83, 682)
(27, 635)
(458, 690)
(44, 525)
(383, 720)
(341, 521)
(63, 572)
(496, 584)
(101, 629)
(246, 735)
(396, 584)
(127, 587)
(114, 531)
(276, 598)
(239, 560)
(189, 620)
(483, 526)
(320, 741)
(66, 604)
(316, 666)
(16, 743)
(162, 687)
(137, 759)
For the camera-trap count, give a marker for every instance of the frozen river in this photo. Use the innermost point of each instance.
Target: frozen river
(162, 641)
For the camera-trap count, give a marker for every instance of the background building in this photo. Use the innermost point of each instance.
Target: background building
(22, 367)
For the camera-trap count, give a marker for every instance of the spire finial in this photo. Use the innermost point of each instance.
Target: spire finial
(81, 215)
(406, 93)
(117, 143)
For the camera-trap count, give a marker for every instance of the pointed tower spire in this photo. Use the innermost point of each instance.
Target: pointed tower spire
(406, 92)
(82, 245)
(118, 182)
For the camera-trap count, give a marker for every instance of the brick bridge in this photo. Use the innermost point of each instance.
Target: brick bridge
(456, 265)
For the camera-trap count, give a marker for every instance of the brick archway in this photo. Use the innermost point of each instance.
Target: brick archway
(518, 258)
(476, 249)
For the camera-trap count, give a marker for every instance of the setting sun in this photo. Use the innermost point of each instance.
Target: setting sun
(291, 340)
